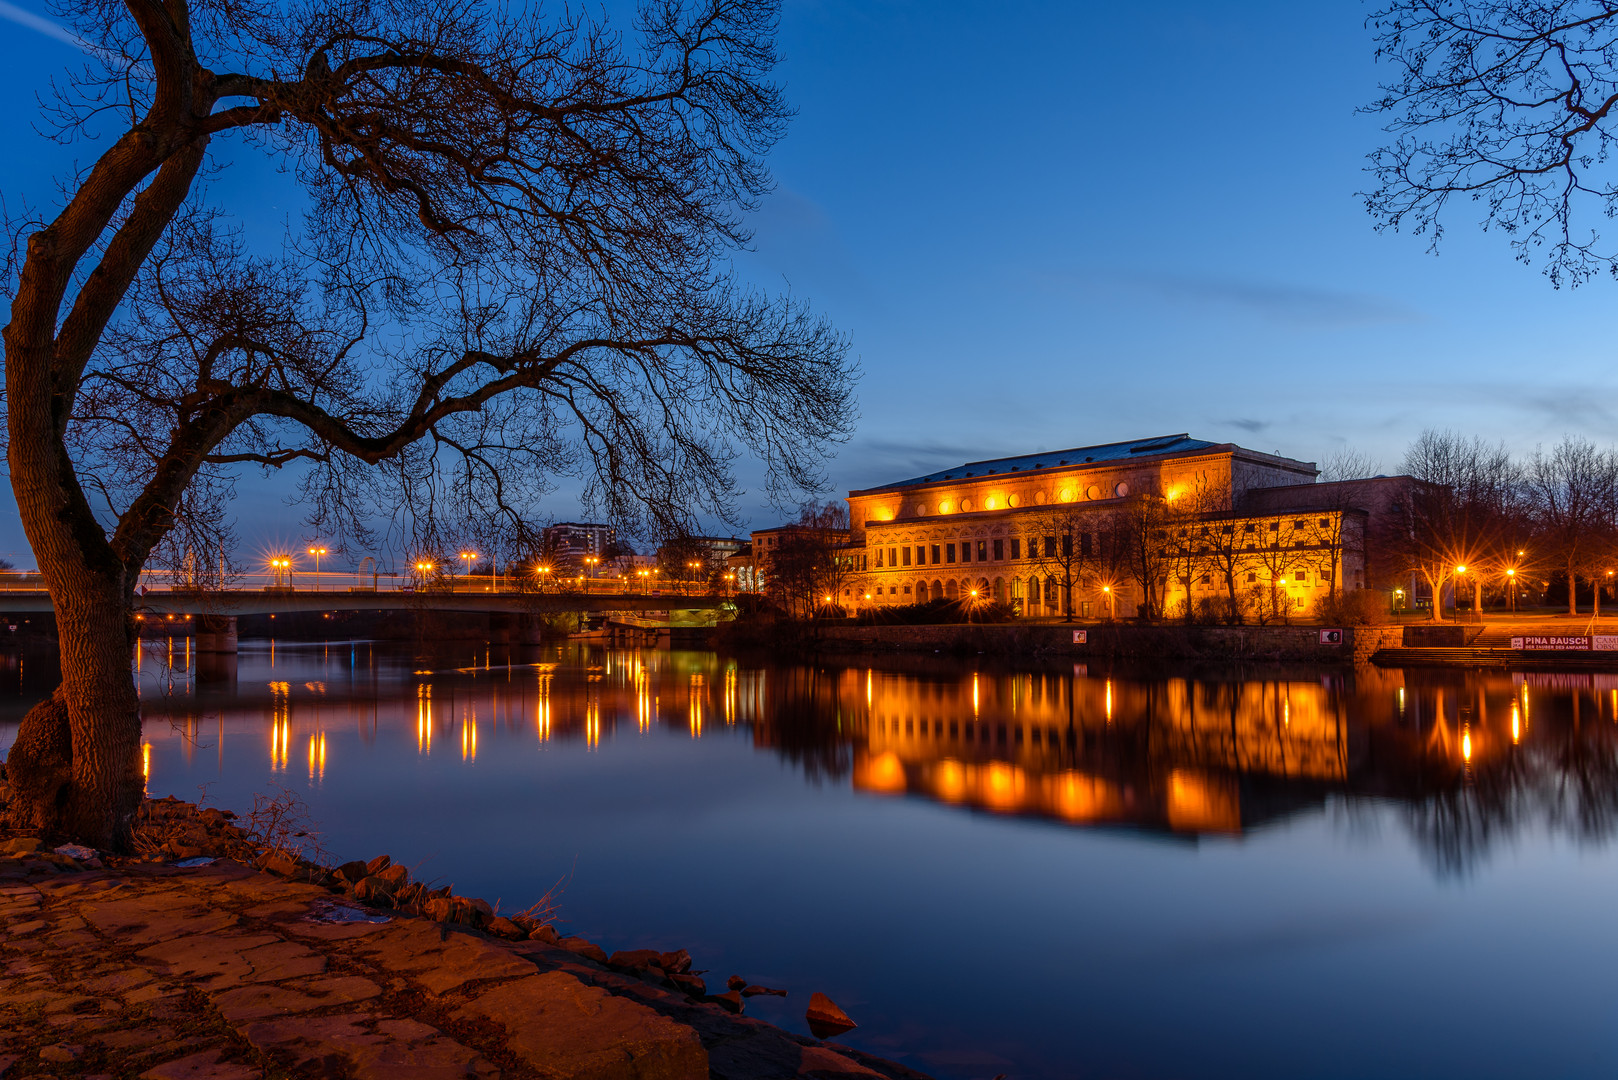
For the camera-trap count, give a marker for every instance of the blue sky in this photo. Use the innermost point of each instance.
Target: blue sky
(1046, 225)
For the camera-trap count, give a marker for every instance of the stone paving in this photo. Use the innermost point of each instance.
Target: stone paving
(224, 972)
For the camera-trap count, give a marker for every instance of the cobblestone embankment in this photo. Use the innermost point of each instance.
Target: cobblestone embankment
(114, 967)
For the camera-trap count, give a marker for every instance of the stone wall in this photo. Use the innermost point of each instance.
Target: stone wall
(1132, 642)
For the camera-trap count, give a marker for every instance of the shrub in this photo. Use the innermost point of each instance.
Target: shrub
(1359, 607)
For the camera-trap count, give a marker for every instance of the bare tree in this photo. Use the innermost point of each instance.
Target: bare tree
(1574, 488)
(1065, 551)
(1455, 516)
(514, 263)
(1507, 106)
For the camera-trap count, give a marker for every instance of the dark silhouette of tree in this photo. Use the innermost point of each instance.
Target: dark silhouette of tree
(808, 564)
(514, 264)
(1574, 490)
(1507, 108)
(1066, 551)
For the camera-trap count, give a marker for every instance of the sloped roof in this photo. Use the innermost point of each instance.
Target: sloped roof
(1053, 459)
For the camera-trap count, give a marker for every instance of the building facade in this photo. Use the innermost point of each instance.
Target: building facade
(1117, 529)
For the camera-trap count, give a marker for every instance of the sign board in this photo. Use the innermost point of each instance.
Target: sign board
(1331, 637)
(1554, 642)
(1081, 637)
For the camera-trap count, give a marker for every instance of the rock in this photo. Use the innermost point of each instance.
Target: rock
(634, 959)
(579, 947)
(691, 984)
(503, 927)
(396, 877)
(736, 982)
(482, 907)
(543, 933)
(825, 1018)
(61, 1052)
(755, 991)
(373, 890)
(352, 871)
(473, 913)
(655, 975)
(378, 864)
(675, 963)
(409, 894)
(21, 845)
(730, 1001)
(278, 863)
(438, 909)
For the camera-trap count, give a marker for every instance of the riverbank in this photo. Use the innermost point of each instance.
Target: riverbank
(216, 956)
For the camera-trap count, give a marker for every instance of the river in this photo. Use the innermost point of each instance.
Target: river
(1045, 871)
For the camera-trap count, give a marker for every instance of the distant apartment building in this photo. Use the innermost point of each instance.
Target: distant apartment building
(570, 542)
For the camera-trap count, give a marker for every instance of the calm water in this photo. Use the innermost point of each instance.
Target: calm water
(1278, 873)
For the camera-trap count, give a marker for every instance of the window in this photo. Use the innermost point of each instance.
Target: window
(1325, 575)
(1050, 547)
(1275, 526)
(966, 551)
(1207, 579)
(1016, 547)
(1067, 545)
(999, 550)
(879, 558)
(1084, 544)
(1298, 524)
(907, 590)
(1248, 527)
(1252, 577)
(983, 551)
(1084, 609)
(1050, 590)
(935, 554)
(949, 552)
(907, 555)
(1325, 523)
(1302, 575)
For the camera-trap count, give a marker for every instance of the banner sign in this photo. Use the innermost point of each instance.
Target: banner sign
(1565, 643)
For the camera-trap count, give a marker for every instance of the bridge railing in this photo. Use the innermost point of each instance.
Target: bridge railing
(340, 582)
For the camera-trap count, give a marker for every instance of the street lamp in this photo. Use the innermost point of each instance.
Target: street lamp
(1511, 587)
(317, 552)
(467, 557)
(279, 565)
(1112, 605)
(1459, 570)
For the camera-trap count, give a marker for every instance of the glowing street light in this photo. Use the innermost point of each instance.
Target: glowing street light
(317, 551)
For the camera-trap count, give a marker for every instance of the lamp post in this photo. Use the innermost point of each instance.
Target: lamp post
(590, 563)
(423, 568)
(693, 565)
(1511, 587)
(466, 559)
(1112, 606)
(1460, 571)
(543, 573)
(280, 565)
(317, 552)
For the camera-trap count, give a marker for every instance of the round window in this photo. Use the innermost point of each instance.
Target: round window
(966, 504)
(1014, 500)
(1039, 498)
(944, 507)
(1121, 490)
(1067, 495)
(1092, 492)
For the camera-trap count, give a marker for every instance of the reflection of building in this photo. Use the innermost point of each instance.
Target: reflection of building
(1019, 529)
(1175, 754)
(569, 542)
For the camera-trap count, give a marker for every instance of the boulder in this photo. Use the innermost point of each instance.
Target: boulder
(580, 947)
(373, 890)
(378, 864)
(21, 845)
(634, 959)
(505, 928)
(352, 871)
(736, 982)
(730, 1001)
(755, 991)
(691, 984)
(543, 933)
(438, 909)
(675, 963)
(276, 862)
(396, 876)
(825, 1018)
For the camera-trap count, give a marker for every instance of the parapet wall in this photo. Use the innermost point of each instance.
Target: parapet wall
(1132, 642)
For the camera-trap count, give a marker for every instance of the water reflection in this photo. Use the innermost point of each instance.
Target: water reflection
(1470, 758)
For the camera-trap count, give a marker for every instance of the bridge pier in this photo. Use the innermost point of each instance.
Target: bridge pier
(216, 634)
(516, 628)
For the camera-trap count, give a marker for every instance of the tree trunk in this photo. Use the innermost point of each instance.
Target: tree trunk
(1477, 597)
(1572, 584)
(75, 769)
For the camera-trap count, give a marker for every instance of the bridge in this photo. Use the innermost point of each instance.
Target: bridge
(218, 609)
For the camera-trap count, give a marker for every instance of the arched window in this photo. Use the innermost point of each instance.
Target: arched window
(949, 590)
(1017, 589)
(999, 590)
(938, 590)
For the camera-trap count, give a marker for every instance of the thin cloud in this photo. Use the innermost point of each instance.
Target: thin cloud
(14, 14)
(1252, 426)
(1289, 304)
